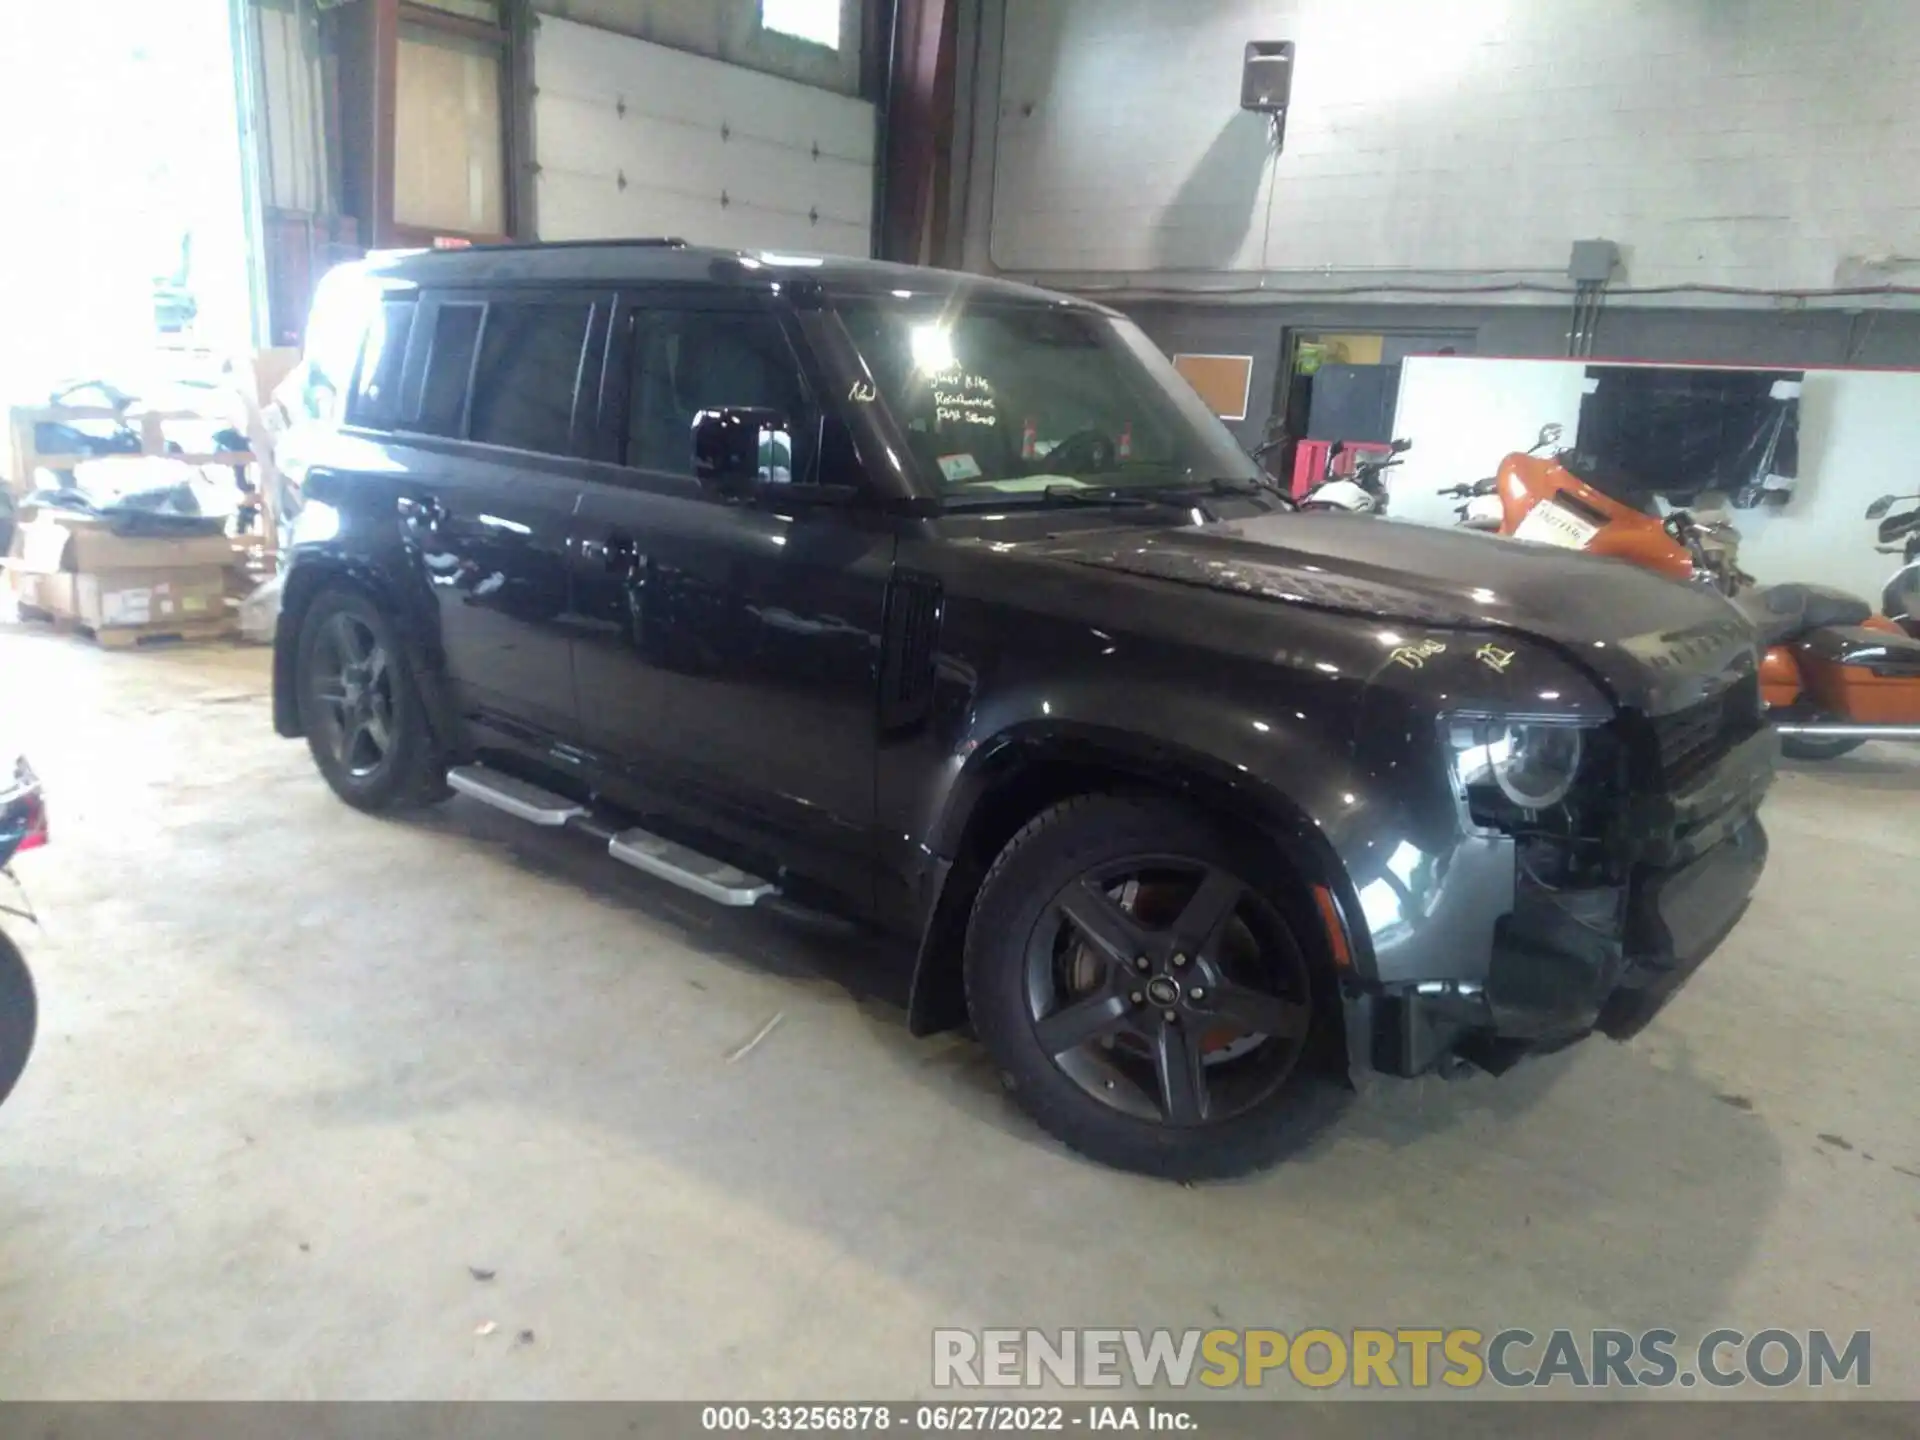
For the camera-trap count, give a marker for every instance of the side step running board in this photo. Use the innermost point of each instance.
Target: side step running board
(677, 864)
(514, 795)
(687, 868)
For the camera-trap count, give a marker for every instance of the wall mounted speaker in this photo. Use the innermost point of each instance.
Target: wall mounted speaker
(1266, 78)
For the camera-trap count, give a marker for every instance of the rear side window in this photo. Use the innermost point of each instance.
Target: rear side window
(443, 393)
(529, 370)
(686, 361)
(376, 395)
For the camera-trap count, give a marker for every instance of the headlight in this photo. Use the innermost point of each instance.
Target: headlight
(1531, 763)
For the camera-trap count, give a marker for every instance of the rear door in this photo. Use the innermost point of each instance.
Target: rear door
(491, 488)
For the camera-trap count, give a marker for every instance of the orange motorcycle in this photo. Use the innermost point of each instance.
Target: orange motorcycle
(1832, 673)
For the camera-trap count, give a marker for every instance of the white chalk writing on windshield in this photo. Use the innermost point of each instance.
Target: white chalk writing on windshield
(963, 399)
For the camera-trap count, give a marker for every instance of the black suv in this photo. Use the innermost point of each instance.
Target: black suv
(945, 605)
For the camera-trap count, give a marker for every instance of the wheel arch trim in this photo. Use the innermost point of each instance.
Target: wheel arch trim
(309, 576)
(1091, 752)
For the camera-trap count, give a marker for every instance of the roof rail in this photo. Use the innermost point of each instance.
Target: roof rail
(664, 242)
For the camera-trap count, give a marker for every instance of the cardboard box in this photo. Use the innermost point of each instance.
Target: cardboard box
(128, 599)
(51, 593)
(74, 567)
(157, 598)
(48, 542)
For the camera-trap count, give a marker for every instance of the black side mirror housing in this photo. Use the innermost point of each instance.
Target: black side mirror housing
(1880, 507)
(738, 446)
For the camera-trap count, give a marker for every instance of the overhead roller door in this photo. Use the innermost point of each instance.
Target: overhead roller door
(637, 139)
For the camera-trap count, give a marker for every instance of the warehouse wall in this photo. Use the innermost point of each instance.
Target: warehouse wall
(1794, 339)
(288, 121)
(632, 138)
(727, 30)
(1859, 436)
(1764, 144)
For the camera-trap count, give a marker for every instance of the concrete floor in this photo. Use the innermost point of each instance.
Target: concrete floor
(300, 1069)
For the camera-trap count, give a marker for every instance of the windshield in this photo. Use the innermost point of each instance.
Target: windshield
(1004, 399)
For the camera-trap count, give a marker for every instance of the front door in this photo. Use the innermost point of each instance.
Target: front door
(735, 644)
(491, 505)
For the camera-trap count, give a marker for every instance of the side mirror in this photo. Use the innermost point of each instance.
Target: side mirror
(1549, 435)
(1400, 447)
(1880, 507)
(738, 446)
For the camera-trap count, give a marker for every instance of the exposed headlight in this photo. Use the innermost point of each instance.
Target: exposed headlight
(1531, 763)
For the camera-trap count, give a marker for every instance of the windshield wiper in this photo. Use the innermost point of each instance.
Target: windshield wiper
(1060, 495)
(1191, 491)
(1261, 485)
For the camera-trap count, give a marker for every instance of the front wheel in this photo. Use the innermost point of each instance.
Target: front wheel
(19, 1016)
(1143, 993)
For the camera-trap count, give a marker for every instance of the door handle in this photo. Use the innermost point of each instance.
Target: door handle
(620, 553)
(422, 511)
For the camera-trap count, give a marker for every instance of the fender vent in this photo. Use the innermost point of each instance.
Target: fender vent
(907, 651)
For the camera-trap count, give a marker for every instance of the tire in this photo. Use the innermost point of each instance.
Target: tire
(360, 707)
(1819, 747)
(1172, 1080)
(19, 1016)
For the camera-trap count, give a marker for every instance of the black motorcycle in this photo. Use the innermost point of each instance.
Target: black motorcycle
(23, 826)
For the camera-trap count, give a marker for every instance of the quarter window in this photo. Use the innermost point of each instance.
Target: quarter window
(376, 395)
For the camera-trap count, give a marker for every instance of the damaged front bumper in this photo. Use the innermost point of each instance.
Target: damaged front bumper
(1567, 962)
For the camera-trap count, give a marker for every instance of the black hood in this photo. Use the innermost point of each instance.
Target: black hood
(1658, 643)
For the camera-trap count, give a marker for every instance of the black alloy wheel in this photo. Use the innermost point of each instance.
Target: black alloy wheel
(360, 708)
(1166, 989)
(1136, 974)
(353, 681)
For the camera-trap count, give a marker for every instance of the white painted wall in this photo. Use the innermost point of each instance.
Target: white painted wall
(639, 139)
(1859, 439)
(1760, 143)
(1463, 415)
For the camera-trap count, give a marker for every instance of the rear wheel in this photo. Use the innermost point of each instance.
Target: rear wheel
(360, 708)
(1143, 993)
(19, 1016)
(1818, 747)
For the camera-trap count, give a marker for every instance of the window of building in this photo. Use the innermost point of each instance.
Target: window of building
(376, 396)
(523, 387)
(815, 20)
(686, 361)
(443, 394)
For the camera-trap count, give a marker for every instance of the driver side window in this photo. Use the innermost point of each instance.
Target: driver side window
(686, 361)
